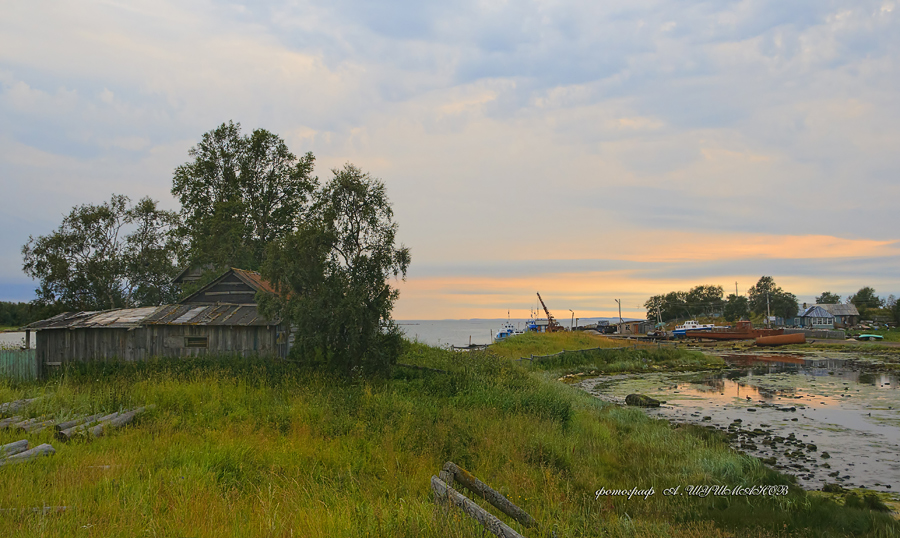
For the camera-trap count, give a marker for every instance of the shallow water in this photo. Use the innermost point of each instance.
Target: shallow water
(789, 407)
(15, 339)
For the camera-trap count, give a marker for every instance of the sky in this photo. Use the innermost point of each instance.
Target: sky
(589, 151)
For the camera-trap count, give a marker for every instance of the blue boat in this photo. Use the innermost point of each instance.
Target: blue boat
(690, 325)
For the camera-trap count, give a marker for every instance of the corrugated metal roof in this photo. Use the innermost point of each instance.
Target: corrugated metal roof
(815, 311)
(841, 309)
(129, 318)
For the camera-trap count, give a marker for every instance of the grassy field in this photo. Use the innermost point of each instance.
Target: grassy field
(236, 448)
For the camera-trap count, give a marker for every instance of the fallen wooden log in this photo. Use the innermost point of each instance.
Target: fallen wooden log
(118, 421)
(12, 407)
(444, 494)
(7, 421)
(37, 426)
(470, 482)
(36, 452)
(10, 449)
(22, 424)
(76, 421)
(81, 429)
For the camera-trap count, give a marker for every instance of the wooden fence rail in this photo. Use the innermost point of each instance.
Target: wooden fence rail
(445, 494)
(19, 364)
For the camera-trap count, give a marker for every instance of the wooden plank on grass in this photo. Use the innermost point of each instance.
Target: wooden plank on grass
(444, 494)
(489, 494)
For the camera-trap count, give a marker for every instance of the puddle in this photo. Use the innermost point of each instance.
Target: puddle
(820, 418)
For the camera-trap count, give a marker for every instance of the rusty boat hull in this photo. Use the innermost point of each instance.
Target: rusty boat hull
(781, 340)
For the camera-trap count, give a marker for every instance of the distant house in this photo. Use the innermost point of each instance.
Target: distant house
(845, 315)
(634, 327)
(222, 318)
(813, 317)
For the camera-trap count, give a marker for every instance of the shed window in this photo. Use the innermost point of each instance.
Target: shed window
(196, 341)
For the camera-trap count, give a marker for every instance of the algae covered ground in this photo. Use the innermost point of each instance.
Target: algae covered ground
(265, 448)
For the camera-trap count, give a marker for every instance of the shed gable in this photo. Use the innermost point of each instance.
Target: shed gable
(228, 288)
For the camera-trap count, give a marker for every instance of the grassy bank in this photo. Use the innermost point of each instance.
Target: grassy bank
(581, 354)
(264, 448)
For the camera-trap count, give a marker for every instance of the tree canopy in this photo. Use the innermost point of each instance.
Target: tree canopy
(865, 300)
(828, 298)
(106, 256)
(332, 277)
(700, 300)
(737, 307)
(780, 302)
(240, 193)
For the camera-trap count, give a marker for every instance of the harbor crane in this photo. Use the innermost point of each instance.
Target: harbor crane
(552, 325)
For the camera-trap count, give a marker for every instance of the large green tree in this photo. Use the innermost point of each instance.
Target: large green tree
(700, 300)
(110, 255)
(828, 298)
(780, 303)
(865, 300)
(736, 308)
(240, 193)
(333, 277)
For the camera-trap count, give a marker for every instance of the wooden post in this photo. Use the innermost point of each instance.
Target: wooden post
(27, 338)
(447, 495)
(492, 496)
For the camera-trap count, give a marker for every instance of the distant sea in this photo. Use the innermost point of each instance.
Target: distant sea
(456, 332)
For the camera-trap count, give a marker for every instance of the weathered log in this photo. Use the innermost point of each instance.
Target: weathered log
(6, 422)
(69, 433)
(444, 494)
(10, 449)
(117, 422)
(76, 421)
(12, 407)
(37, 426)
(40, 450)
(470, 482)
(22, 424)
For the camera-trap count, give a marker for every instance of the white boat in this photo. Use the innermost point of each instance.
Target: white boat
(691, 325)
(508, 330)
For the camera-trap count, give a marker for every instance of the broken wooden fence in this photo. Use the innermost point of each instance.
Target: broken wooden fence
(445, 494)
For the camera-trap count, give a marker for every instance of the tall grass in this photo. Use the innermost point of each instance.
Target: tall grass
(262, 448)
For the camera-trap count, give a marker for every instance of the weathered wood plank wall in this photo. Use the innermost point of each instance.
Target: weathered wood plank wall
(66, 345)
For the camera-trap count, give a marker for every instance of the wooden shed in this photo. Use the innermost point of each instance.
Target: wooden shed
(220, 318)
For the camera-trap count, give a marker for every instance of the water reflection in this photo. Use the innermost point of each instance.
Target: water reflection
(770, 403)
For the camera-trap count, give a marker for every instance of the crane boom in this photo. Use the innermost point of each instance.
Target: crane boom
(552, 324)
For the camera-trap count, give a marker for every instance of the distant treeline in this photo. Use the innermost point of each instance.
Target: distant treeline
(19, 314)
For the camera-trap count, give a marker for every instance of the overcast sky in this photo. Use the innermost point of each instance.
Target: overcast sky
(586, 150)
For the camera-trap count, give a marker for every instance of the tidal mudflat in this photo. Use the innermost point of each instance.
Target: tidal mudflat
(823, 419)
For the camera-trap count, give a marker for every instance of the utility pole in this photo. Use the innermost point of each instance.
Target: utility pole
(768, 313)
(735, 287)
(620, 309)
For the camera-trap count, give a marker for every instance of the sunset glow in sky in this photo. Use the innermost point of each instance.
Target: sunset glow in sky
(590, 151)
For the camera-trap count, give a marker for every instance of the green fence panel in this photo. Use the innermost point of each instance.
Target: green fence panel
(19, 364)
